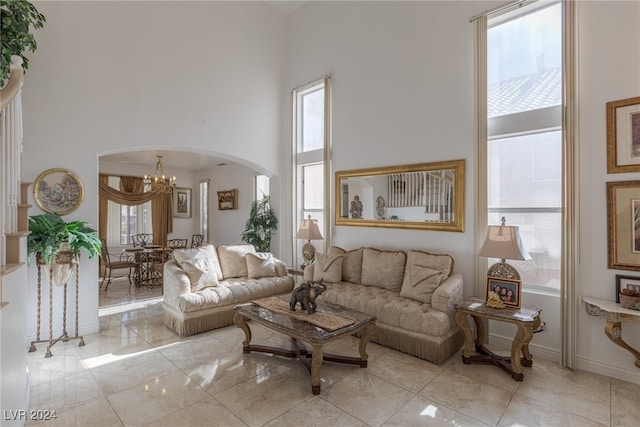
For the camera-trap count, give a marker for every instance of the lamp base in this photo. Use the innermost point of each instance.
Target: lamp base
(503, 270)
(308, 253)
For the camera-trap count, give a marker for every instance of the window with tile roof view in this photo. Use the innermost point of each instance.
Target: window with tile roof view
(524, 150)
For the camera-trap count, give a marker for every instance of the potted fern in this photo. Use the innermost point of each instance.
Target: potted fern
(261, 223)
(56, 243)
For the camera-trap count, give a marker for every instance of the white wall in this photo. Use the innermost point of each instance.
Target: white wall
(609, 70)
(115, 76)
(401, 95)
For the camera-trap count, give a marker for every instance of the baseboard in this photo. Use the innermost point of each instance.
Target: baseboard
(625, 373)
(504, 343)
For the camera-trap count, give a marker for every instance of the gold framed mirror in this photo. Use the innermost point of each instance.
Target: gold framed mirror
(424, 196)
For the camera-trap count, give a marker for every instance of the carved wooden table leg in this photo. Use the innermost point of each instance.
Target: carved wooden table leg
(463, 324)
(613, 330)
(316, 362)
(368, 333)
(241, 322)
(522, 338)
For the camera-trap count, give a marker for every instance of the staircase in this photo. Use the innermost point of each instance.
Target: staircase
(14, 208)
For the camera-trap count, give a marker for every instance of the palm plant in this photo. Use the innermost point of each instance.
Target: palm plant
(50, 233)
(261, 223)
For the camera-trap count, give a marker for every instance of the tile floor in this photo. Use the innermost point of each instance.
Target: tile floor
(135, 372)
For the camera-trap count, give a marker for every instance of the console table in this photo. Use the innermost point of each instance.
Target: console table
(526, 319)
(615, 314)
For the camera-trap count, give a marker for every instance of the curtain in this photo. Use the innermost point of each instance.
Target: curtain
(132, 195)
(161, 218)
(103, 213)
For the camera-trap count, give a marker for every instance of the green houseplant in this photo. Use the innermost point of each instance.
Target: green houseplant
(261, 223)
(17, 18)
(50, 234)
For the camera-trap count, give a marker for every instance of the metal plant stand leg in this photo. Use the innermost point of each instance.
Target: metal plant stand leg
(65, 336)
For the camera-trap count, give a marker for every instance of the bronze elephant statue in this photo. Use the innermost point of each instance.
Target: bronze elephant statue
(306, 295)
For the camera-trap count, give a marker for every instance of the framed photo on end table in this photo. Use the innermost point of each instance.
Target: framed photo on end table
(182, 202)
(509, 291)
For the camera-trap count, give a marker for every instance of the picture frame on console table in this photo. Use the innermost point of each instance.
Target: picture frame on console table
(623, 135)
(58, 191)
(182, 202)
(626, 282)
(623, 225)
(509, 291)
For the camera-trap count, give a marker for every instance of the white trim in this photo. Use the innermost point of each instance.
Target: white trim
(571, 191)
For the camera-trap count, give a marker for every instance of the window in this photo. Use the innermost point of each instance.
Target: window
(204, 208)
(261, 187)
(310, 142)
(125, 221)
(524, 147)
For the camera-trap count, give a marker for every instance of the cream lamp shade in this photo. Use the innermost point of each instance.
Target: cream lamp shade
(309, 231)
(504, 242)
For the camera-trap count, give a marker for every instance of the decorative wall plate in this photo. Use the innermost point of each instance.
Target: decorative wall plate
(58, 191)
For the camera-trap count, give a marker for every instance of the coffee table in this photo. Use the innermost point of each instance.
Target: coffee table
(302, 332)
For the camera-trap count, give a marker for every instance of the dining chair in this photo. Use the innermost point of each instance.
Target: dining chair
(197, 240)
(141, 239)
(177, 243)
(111, 262)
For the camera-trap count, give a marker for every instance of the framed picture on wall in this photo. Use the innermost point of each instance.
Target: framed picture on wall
(623, 225)
(623, 135)
(58, 191)
(182, 202)
(228, 199)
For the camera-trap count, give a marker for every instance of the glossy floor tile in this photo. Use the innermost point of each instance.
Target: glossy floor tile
(136, 372)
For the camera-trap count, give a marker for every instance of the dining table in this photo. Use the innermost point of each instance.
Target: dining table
(149, 262)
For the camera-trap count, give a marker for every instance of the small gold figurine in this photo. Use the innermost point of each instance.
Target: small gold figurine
(494, 300)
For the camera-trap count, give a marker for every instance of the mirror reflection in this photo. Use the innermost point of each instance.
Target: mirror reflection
(423, 196)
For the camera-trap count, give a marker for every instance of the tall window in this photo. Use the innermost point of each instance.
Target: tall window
(204, 208)
(261, 187)
(311, 106)
(125, 221)
(524, 147)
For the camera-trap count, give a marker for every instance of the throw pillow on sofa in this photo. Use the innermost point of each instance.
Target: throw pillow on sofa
(262, 264)
(328, 268)
(200, 265)
(351, 263)
(424, 273)
(232, 260)
(384, 269)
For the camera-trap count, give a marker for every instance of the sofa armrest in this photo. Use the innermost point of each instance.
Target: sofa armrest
(175, 282)
(307, 274)
(448, 294)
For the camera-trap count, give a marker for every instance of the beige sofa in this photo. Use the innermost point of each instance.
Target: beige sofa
(202, 286)
(412, 294)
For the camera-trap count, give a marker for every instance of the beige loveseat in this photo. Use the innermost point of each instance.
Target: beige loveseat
(202, 286)
(412, 294)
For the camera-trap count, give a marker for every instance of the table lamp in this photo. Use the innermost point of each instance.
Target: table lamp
(504, 242)
(308, 231)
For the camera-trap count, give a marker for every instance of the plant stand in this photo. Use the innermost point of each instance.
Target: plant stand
(65, 336)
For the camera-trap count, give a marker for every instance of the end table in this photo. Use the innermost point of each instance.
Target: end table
(526, 319)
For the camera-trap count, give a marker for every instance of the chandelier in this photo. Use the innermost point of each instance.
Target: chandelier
(159, 183)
